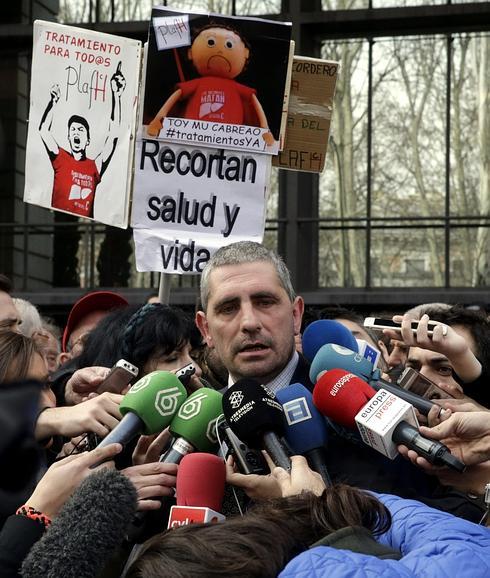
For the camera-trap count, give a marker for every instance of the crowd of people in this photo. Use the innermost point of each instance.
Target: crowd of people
(374, 516)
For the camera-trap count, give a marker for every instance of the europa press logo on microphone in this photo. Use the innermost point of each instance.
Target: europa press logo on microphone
(166, 401)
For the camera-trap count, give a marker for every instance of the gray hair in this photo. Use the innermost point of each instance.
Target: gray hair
(245, 252)
(29, 315)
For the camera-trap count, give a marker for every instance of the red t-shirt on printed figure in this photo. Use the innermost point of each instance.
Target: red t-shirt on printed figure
(74, 184)
(215, 99)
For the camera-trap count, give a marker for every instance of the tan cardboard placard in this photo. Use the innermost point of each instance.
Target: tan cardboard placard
(309, 114)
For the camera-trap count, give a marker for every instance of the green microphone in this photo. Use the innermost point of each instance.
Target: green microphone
(194, 425)
(148, 407)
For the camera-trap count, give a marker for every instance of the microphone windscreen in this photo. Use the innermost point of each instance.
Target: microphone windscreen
(250, 410)
(196, 419)
(325, 331)
(305, 425)
(332, 356)
(155, 398)
(201, 481)
(340, 395)
(91, 525)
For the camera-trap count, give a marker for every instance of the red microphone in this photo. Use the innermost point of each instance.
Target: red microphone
(200, 490)
(340, 395)
(383, 419)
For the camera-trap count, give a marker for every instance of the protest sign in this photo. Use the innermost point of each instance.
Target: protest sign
(189, 201)
(84, 88)
(310, 107)
(216, 81)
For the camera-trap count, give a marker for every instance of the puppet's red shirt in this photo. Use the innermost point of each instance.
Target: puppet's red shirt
(215, 99)
(74, 184)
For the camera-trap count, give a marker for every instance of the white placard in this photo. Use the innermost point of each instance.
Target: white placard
(172, 31)
(188, 202)
(84, 94)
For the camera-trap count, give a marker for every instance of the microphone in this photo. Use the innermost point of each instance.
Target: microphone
(325, 331)
(306, 430)
(148, 407)
(368, 352)
(194, 425)
(383, 419)
(91, 525)
(200, 490)
(256, 417)
(333, 356)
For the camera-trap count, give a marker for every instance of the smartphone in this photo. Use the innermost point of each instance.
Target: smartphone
(247, 460)
(185, 373)
(413, 381)
(119, 377)
(378, 324)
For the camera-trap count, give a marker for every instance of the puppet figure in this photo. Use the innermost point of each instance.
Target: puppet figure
(219, 55)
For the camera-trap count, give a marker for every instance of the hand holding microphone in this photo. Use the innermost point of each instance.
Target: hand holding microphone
(148, 407)
(383, 419)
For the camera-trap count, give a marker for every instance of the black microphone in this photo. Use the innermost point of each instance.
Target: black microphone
(256, 417)
(91, 525)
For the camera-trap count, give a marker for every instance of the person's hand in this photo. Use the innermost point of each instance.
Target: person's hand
(152, 481)
(471, 481)
(83, 382)
(444, 340)
(63, 477)
(467, 435)
(76, 445)
(99, 415)
(301, 478)
(257, 487)
(464, 404)
(55, 93)
(118, 82)
(149, 448)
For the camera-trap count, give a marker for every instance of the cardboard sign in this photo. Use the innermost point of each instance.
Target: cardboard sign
(209, 83)
(190, 201)
(310, 111)
(84, 89)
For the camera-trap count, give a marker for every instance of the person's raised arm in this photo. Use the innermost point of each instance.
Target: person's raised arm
(47, 122)
(118, 84)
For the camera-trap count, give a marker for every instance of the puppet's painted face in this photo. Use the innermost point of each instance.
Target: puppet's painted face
(218, 52)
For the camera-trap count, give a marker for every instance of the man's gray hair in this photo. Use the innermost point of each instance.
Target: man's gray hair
(245, 252)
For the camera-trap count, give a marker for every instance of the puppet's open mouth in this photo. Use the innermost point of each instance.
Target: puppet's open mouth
(219, 64)
(76, 140)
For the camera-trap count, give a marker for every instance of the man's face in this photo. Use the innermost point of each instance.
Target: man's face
(9, 316)
(77, 137)
(432, 365)
(250, 320)
(218, 52)
(78, 335)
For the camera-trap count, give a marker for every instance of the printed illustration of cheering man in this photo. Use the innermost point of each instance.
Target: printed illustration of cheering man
(75, 175)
